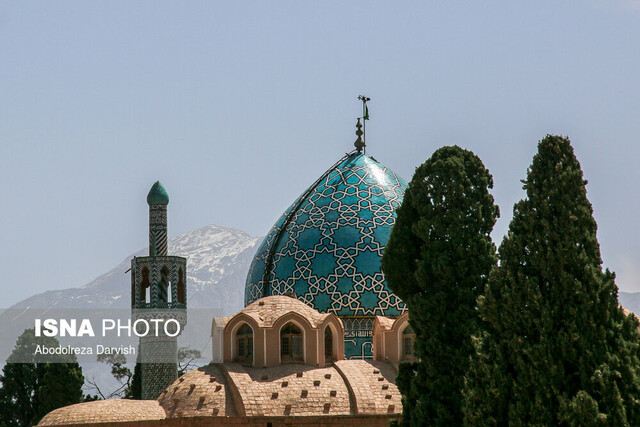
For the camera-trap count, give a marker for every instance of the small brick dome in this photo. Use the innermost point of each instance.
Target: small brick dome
(105, 411)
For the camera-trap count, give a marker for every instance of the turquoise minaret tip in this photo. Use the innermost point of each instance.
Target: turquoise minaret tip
(158, 195)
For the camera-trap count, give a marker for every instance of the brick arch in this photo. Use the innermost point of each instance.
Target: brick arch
(229, 333)
(234, 323)
(234, 341)
(400, 324)
(306, 329)
(337, 329)
(305, 324)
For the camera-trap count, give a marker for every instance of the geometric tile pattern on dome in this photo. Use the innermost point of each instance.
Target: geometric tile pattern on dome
(327, 246)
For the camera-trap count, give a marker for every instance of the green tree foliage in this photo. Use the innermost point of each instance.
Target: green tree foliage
(558, 350)
(410, 395)
(135, 391)
(31, 388)
(18, 403)
(61, 386)
(437, 260)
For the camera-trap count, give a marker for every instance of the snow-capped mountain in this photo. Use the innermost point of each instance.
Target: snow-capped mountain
(630, 301)
(218, 259)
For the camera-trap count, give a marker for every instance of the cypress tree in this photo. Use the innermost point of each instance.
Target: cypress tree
(61, 386)
(31, 388)
(135, 389)
(557, 348)
(437, 260)
(18, 405)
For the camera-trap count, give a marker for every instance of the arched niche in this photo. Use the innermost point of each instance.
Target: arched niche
(331, 339)
(244, 344)
(407, 344)
(292, 342)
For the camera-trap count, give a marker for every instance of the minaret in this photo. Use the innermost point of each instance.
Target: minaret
(158, 291)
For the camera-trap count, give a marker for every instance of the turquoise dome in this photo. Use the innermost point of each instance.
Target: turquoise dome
(157, 195)
(327, 246)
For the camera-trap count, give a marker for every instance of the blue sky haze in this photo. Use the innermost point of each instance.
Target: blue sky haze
(236, 107)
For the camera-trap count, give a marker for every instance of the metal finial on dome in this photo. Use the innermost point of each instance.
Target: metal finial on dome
(365, 117)
(359, 144)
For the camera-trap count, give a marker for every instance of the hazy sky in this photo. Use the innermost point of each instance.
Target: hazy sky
(236, 107)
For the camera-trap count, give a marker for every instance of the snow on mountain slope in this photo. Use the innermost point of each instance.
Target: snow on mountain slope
(218, 259)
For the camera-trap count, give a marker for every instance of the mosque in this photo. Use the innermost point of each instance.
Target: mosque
(321, 335)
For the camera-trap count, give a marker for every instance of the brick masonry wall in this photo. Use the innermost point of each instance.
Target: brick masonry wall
(321, 421)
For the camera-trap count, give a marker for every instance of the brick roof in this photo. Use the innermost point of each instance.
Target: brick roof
(200, 392)
(231, 389)
(111, 410)
(373, 384)
(269, 309)
(290, 389)
(349, 387)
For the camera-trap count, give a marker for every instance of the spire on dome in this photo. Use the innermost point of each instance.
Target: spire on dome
(359, 144)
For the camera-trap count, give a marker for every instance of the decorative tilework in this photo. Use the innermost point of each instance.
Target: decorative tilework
(158, 291)
(158, 230)
(358, 337)
(327, 246)
(176, 268)
(156, 376)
